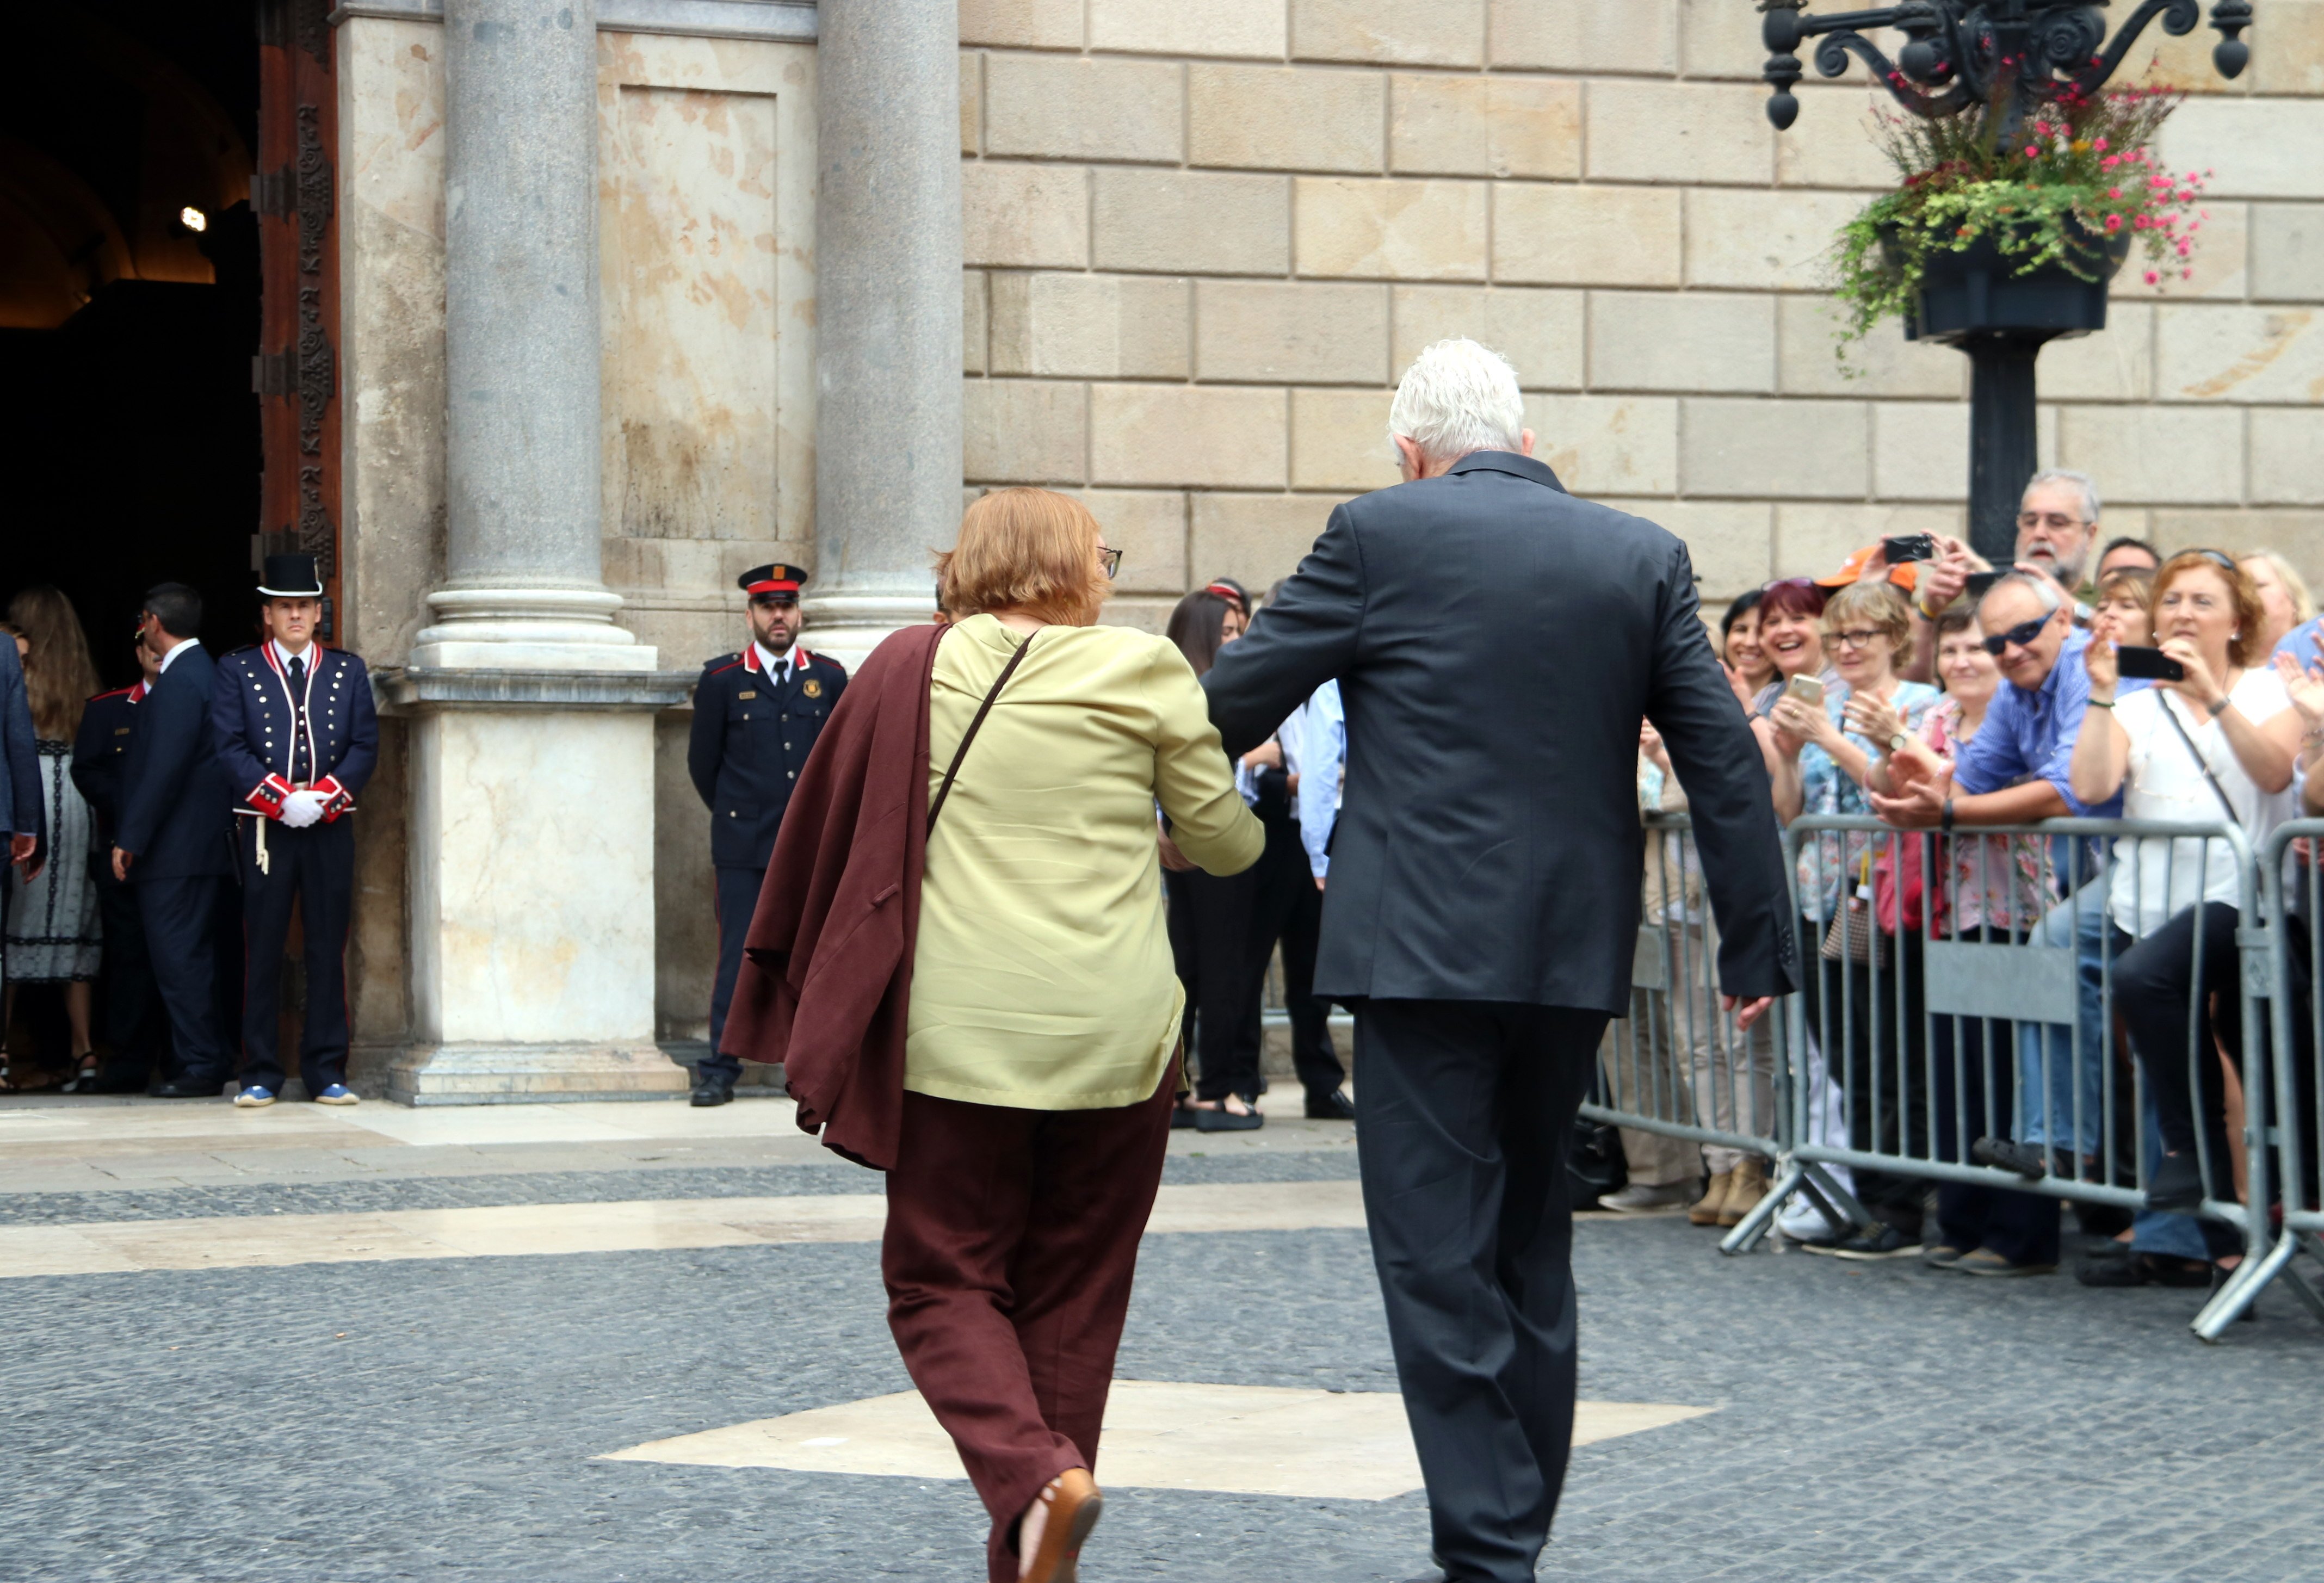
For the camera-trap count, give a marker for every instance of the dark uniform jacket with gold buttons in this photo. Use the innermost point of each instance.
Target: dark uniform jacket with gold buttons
(254, 716)
(751, 740)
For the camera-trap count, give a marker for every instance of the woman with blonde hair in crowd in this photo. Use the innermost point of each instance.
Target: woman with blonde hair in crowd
(52, 929)
(2284, 601)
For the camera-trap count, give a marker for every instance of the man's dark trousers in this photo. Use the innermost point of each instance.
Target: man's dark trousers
(181, 915)
(738, 898)
(314, 868)
(136, 1025)
(1288, 909)
(1463, 1110)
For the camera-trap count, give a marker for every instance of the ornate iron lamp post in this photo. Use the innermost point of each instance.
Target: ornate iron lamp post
(2019, 55)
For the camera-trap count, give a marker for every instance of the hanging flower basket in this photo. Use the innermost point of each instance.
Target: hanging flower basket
(1987, 287)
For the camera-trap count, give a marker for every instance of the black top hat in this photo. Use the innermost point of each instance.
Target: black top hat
(775, 578)
(290, 576)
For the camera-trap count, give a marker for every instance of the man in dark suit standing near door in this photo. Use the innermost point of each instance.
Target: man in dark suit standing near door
(136, 1024)
(756, 717)
(1481, 914)
(172, 842)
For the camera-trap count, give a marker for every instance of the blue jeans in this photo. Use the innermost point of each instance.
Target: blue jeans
(2052, 1056)
(2153, 1230)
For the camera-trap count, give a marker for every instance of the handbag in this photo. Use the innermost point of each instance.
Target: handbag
(2201, 763)
(1851, 936)
(936, 802)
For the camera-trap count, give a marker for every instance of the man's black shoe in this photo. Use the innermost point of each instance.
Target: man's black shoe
(1330, 1106)
(179, 1088)
(2002, 1153)
(2178, 1183)
(708, 1093)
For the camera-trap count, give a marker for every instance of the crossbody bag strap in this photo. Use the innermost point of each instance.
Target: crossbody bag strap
(936, 802)
(2201, 763)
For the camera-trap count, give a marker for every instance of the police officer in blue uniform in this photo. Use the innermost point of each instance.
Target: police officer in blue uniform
(298, 734)
(756, 716)
(136, 1026)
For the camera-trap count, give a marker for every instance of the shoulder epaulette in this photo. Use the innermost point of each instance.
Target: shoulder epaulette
(115, 693)
(719, 662)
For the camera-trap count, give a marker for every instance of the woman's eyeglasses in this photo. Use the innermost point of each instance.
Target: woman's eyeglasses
(1854, 638)
(1109, 560)
(2022, 634)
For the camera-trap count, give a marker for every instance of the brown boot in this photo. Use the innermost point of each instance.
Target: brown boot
(1749, 1187)
(1071, 1505)
(1708, 1209)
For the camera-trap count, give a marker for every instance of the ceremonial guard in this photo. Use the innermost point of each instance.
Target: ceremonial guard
(298, 736)
(756, 716)
(136, 1028)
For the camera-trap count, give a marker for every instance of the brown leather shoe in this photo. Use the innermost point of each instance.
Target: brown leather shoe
(1705, 1209)
(1074, 1506)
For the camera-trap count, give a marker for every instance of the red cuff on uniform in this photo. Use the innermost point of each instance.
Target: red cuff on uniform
(267, 796)
(337, 798)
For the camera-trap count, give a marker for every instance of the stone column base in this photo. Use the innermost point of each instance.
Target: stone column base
(849, 626)
(502, 1074)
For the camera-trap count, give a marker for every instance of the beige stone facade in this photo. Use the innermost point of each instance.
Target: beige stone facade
(1205, 238)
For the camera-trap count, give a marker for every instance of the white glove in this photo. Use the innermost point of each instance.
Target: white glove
(302, 808)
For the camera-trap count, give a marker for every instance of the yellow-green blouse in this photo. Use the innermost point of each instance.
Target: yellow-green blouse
(1042, 977)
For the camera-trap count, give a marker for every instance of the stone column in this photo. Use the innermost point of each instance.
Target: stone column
(531, 878)
(888, 329)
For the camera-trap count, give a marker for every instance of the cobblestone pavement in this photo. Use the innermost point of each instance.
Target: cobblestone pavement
(437, 1420)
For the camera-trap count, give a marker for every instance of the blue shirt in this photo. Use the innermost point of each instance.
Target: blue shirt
(2030, 735)
(2305, 643)
(1315, 748)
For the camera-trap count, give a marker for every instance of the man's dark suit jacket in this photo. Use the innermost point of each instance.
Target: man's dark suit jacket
(175, 802)
(21, 811)
(1496, 642)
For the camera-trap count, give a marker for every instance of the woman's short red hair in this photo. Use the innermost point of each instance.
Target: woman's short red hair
(1032, 550)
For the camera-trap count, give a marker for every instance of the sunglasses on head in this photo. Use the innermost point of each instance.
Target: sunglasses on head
(2218, 558)
(2022, 634)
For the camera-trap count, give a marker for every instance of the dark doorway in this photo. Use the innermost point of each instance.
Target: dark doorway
(130, 313)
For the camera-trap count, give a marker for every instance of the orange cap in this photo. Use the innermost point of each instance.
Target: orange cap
(1851, 570)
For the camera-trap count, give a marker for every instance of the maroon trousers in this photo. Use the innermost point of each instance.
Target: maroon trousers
(1012, 1239)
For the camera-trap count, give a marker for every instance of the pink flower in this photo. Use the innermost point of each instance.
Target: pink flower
(2186, 274)
(2101, 144)
(2186, 250)
(2109, 162)
(2114, 221)
(2114, 192)
(2153, 279)
(2032, 152)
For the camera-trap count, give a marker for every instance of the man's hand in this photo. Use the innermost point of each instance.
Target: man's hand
(20, 848)
(1747, 1012)
(1918, 805)
(302, 808)
(1267, 755)
(1736, 684)
(1176, 861)
(121, 861)
(1946, 578)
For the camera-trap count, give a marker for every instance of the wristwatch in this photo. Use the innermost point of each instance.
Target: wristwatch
(1896, 743)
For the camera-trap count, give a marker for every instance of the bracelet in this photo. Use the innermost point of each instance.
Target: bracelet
(1949, 815)
(2101, 703)
(2222, 707)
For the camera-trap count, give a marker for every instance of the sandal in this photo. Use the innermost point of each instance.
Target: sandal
(83, 1079)
(1072, 1508)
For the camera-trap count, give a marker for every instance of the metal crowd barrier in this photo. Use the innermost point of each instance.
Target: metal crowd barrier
(1974, 1040)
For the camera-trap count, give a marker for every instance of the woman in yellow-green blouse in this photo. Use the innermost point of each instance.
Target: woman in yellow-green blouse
(1040, 1065)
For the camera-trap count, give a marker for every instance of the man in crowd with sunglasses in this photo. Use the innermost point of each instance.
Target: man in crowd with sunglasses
(756, 717)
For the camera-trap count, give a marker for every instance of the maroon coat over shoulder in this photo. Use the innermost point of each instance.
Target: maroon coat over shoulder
(825, 983)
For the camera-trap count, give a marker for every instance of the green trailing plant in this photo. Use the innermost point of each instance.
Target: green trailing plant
(2064, 186)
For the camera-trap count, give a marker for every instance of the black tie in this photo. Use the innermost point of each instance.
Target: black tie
(298, 672)
(299, 712)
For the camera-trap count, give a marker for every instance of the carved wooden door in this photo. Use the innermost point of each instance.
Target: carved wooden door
(296, 370)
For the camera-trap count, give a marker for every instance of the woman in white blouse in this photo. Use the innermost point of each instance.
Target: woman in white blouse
(2216, 746)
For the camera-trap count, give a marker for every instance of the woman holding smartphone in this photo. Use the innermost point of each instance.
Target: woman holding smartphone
(2216, 743)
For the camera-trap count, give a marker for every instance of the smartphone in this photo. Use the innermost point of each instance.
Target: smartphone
(1908, 546)
(1980, 584)
(1808, 690)
(2150, 664)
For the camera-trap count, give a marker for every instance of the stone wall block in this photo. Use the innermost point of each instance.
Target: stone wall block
(1731, 542)
(1835, 141)
(1200, 435)
(2297, 535)
(1717, 40)
(1441, 125)
(2288, 58)
(1339, 440)
(971, 101)
(972, 321)
(1538, 330)
(2225, 353)
(1193, 222)
(2220, 265)
(1919, 450)
(1778, 450)
(2287, 251)
(2156, 455)
(1883, 363)
(1441, 32)
(1025, 431)
(1280, 332)
(2257, 148)
(1813, 539)
(1032, 217)
(1607, 445)
(1148, 527)
(1586, 35)
(2287, 447)
(2116, 365)
(1256, 539)
(1062, 106)
(1090, 327)
(1680, 132)
(1392, 230)
(1586, 235)
(1673, 341)
(1034, 24)
(1282, 118)
(1758, 240)
(1190, 27)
